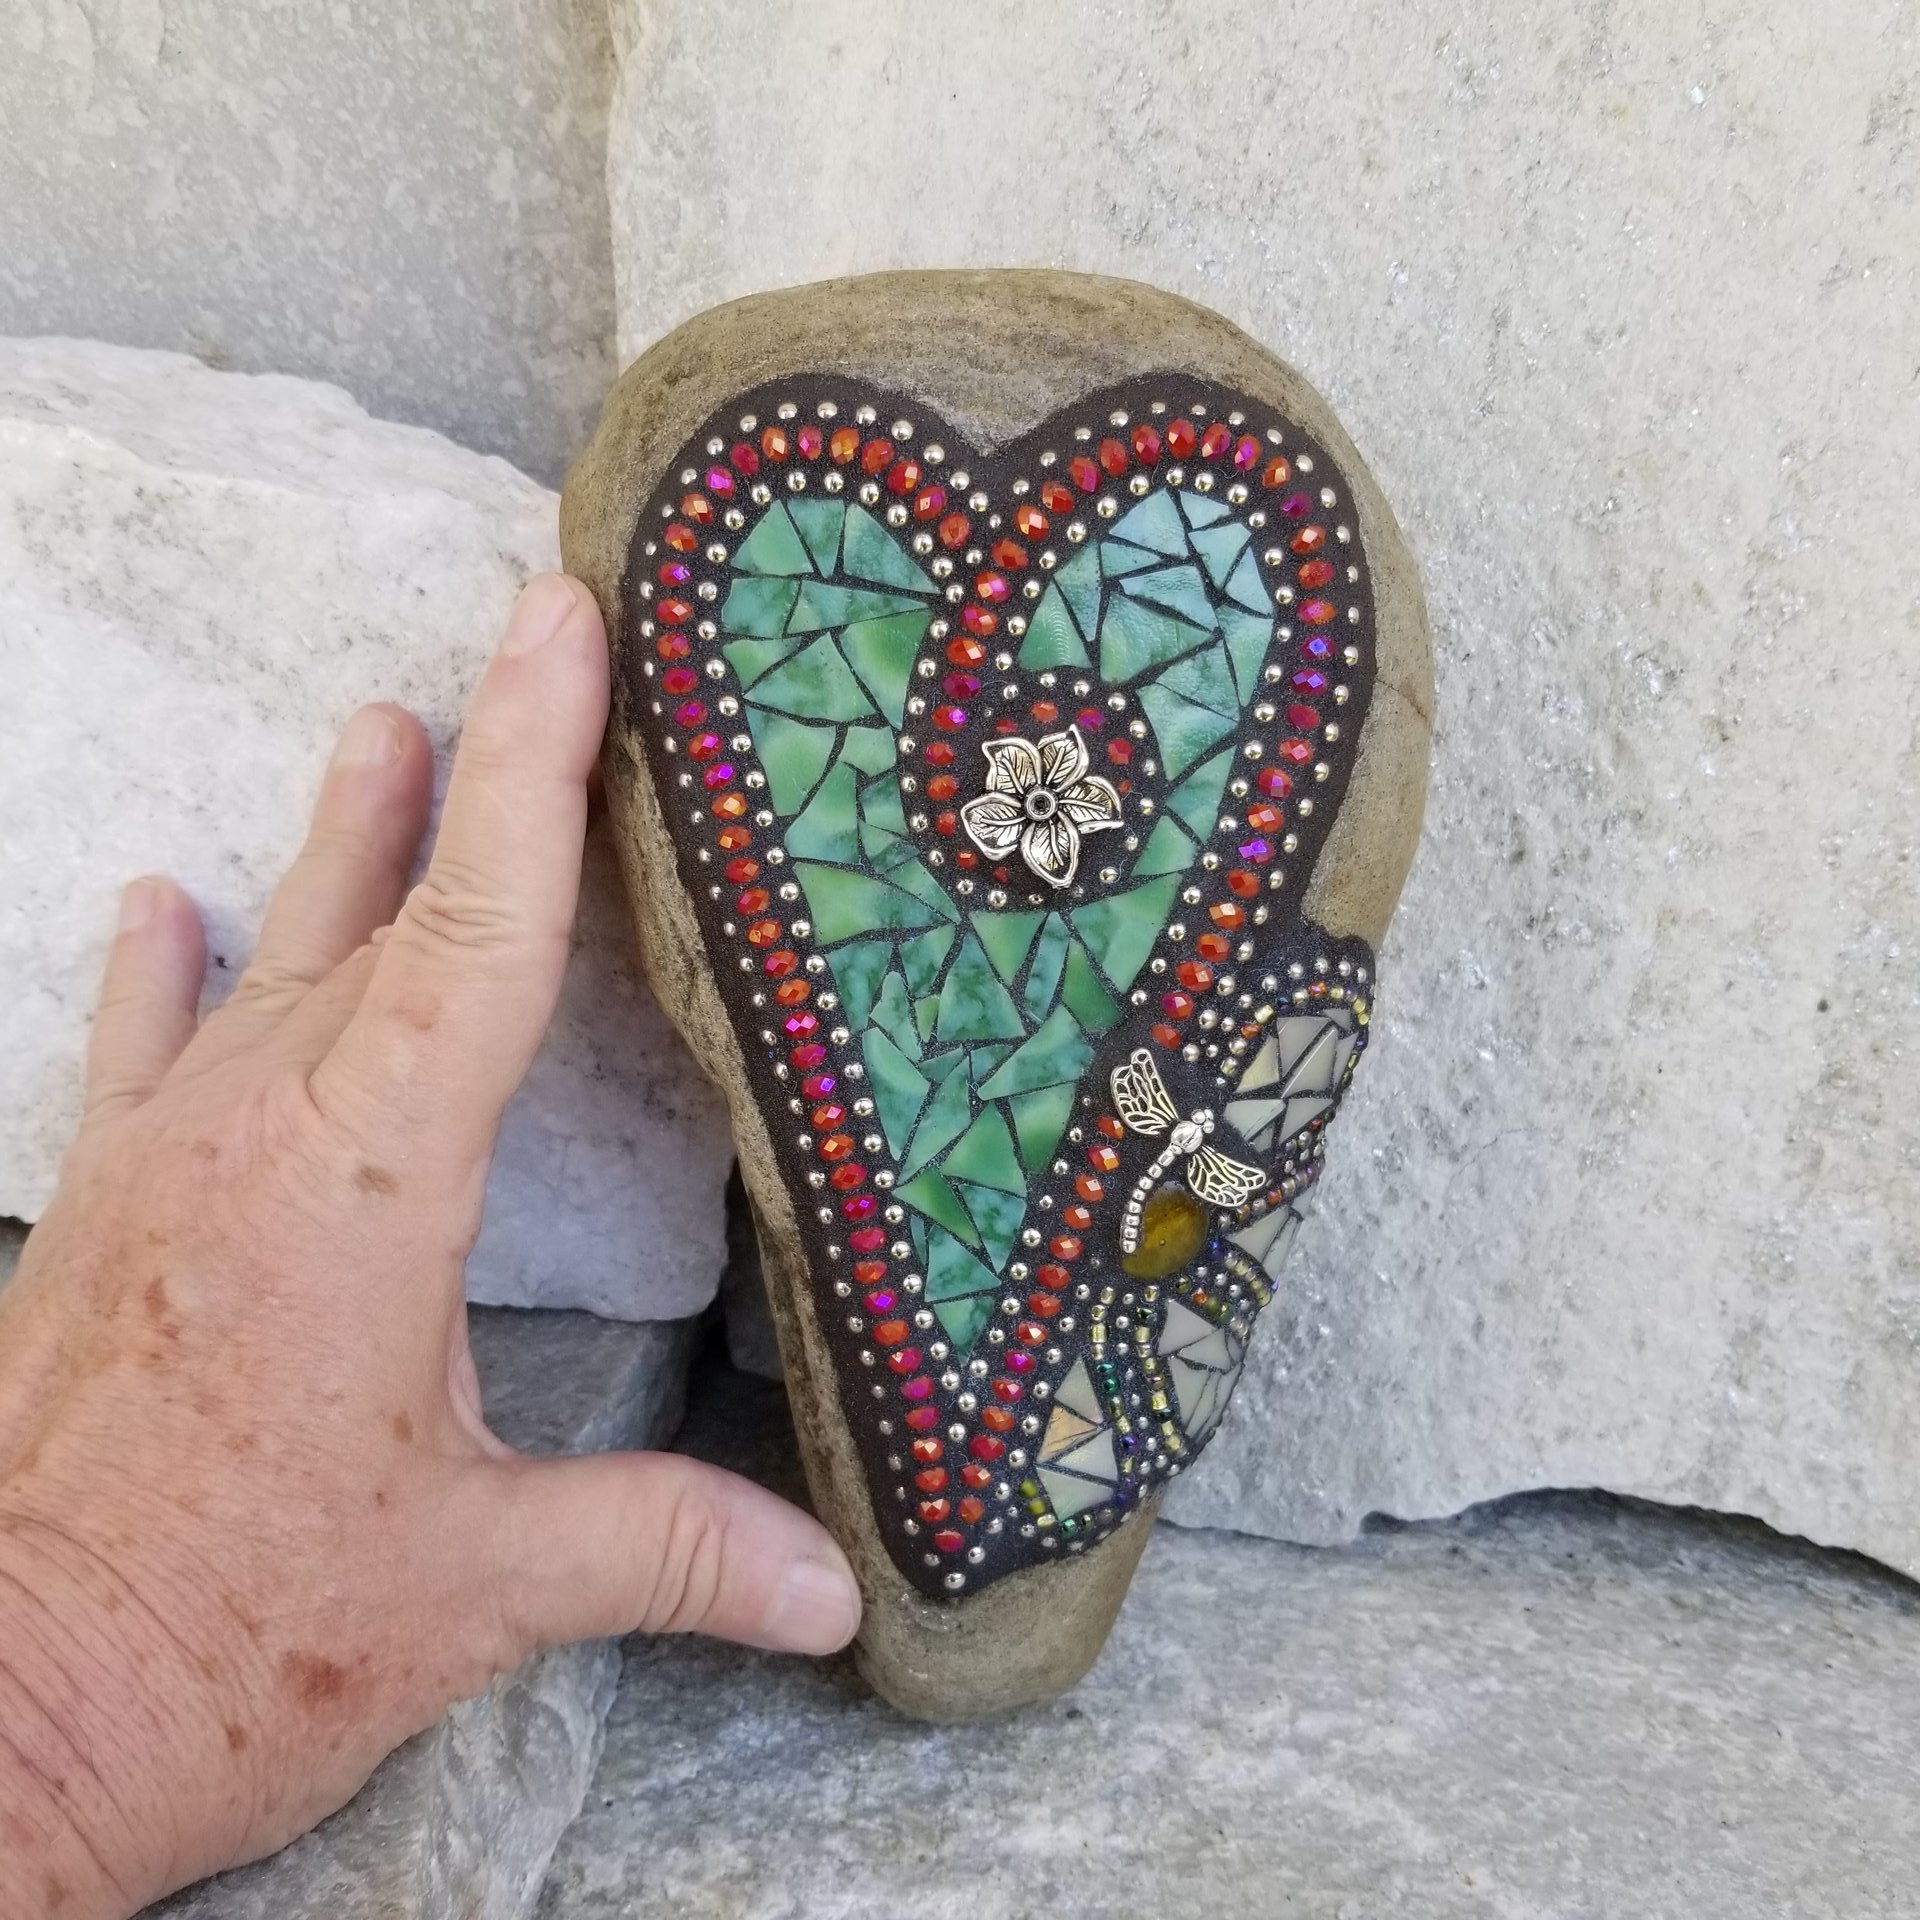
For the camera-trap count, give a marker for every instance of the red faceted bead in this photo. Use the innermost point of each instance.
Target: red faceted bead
(946, 823)
(1054, 497)
(778, 964)
(1215, 441)
(948, 1541)
(983, 1446)
(720, 481)
(844, 1179)
(1031, 1333)
(991, 587)
(960, 686)
(939, 754)
(1246, 453)
(903, 476)
(979, 620)
(1297, 751)
(998, 1419)
(673, 646)
(792, 993)
(776, 443)
(978, 1476)
(1182, 437)
(681, 537)
(877, 456)
(932, 1510)
(744, 459)
(679, 680)
(730, 806)
(1007, 1391)
(929, 501)
(754, 900)
(674, 612)
(1088, 1188)
(719, 776)
(891, 1333)
(844, 445)
(927, 1449)
(1103, 1159)
(1264, 819)
(867, 1240)
(763, 933)
(741, 871)
(1078, 1218)
(1083, 473)
(1215, 946)
(1113, 457)
(907, 1360)
(1243, 883)
(1064, 1246)
(1053, 1275)
(1176, 1006)
(949, 719)
(1164, 1035)
(1303, 719)
(972, 1509)
(697, 508)
(860, 1207)
(811, 1055)
(1146, 444)
(1309, 540)
(704, 746)
(1193, 976)
(810, 441)
(1120, 752)
(1044, 713)
(836, 1147)
(1029, 520)
(1316, 573)
(1008, 553)
(930, 1479)
(1111, 1127)
(1276, 473)
(953, 531)
(1316, 613)
(921, 1418)
(690, 713)
(1309, 680)
(943, 786)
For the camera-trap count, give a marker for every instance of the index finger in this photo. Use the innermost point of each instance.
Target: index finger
(466, 982)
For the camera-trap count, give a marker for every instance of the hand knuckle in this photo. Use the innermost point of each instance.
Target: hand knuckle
(688, 1567)
(450, 908)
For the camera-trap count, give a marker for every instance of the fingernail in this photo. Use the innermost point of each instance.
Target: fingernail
(816, 1610)
(137, 903)
(372, 739)
(539, 613)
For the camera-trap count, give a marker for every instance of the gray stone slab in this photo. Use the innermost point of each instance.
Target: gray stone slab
(405, 199)
(459, 1824)
(1557, 1706)
(1618, 302)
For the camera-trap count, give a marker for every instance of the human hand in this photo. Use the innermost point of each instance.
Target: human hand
(254, 1530)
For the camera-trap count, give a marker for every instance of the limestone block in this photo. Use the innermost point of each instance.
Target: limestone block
(201, 575)
(406, 200)
(1619, 310)
(1553, 1706)
(460, 1823)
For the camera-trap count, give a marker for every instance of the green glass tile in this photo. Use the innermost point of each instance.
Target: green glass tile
(964, 1320)
(1007, 937)
(1196, 800)
(917, 1227)
(931, 1195)
(1121, 929)
(953, 1271)
(1116, 558)
(1219, 548)
(1154, 523)
(872, 553)
(869, 748)
(1084, 997)
(984, 1154)
(926, 1015)
(844, 904)
(1039, 1119)
(1052, 639)
(918, 881)
(1183, 729)
(983, 1056)
(997, 1215)
(1201, 509)
(1206, 679)
(881, 652)
(938, 1067)
(1043, 977)
(773, 546)
(825, 604)
(751, 658)
(880, 803)
(814, 685)
(944, 1121)
(795, 755)
(1168, 850)
(899, 1089)
(1135, 638)
(759, 607)
(1175, 590)
(1058, 1051)
(884, 850)
(1247, 636)
(819, 525)
(1245, 586)
(1079, 584)
(921, 958)
(828, 830)
(893, 1014)
(973, 1003)
(857, 972)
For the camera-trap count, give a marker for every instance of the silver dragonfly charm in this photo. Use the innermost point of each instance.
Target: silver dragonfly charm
(1148, 1109)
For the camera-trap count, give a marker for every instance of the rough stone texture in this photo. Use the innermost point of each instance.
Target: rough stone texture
(201, 575)
(405, 198)
(1619, 305)
(1559, 1705)
(460, 1823)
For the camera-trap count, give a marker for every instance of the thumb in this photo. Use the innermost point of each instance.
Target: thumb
(654, 1542)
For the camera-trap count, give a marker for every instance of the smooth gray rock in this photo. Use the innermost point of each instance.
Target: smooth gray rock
(459, 1824)
(1557, 1706)
(201, 576)
(1619, 305)
(405, 199)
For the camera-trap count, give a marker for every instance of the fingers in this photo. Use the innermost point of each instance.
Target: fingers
(466, 981)
(616, 1542)
(148, 995)
(348, 878)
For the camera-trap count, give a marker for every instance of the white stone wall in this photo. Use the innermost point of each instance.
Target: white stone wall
(201, 576)
(402, 196)
(1621, 304)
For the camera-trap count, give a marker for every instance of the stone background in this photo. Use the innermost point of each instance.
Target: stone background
(400, 195)
(1619, 299)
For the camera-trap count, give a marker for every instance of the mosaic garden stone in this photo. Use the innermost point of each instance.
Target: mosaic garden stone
(976, 789)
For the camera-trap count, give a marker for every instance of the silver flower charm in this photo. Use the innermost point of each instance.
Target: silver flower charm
(1040, 799)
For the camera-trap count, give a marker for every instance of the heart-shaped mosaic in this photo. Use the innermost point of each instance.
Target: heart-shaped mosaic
(997, 779)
